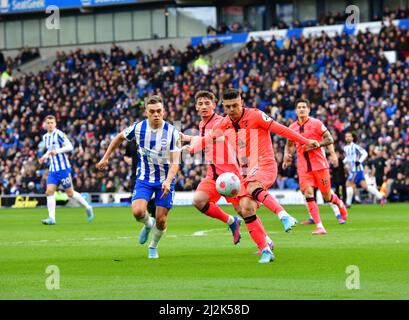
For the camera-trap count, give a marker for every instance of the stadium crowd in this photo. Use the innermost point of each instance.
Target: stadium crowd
(95, 94)
(330, 18)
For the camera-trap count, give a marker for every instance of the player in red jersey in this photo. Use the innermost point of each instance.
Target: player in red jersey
(249, 131)
(312, 164)
(219, 160)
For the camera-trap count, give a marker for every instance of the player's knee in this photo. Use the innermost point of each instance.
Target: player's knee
(70, 193)
(49, 193)
(327, 196)
(247, 209)
(251, 187)
(199, 203)
(138, 212)
(161, 223)
(309, 193)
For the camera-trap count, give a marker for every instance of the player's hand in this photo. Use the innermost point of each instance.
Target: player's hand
(185, 137)
(41, 160)
(312, 145)
(102, 164)
(53, 153)
(288, 159)
(165, 188)
(334, 160)
(187, 148)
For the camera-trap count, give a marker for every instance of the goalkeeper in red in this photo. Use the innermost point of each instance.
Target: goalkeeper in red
(312, 164)
(249, 131)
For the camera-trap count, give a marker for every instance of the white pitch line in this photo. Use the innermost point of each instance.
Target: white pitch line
(199, 233)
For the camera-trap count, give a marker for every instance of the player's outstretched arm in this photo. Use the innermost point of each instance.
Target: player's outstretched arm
(173, 171)
(288, 133)
(186, 137)
(115, 143)
(288, 154)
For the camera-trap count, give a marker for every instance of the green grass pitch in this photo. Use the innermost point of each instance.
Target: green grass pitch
(102, 259)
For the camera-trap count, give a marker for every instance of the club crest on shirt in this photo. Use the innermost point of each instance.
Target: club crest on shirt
(163, 142)
(265, 117)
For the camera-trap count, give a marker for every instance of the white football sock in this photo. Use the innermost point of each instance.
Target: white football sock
(282, 214)
(156, 235)
(231, 220)
(146, 220)
(320, 225)
(78, 197)
(350, 194)
(335, 209)
(268, 239)
(375, 192)
(51, 203)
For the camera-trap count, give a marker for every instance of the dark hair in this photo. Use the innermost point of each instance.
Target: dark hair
(302, 100)
(153, 100)
(354, 136)
(51, 117)
(205, 94)
(231, 94)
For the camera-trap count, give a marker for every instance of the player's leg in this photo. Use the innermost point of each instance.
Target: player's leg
(255, 228)
(69, 190)
(140, 197)
(313, 209)
(163, 206)
(51, 203)
(205, 199)
(372, 190)
(350, 191)
(257, 182)
(139, 211)
(158, 230)
(258, 192)
(323, 181)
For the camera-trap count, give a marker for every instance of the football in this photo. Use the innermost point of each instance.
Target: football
(228, 184)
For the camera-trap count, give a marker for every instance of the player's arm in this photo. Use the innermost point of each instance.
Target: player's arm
(173, 171)
(45, 156)
(327, 139)
(199, 143)
(175, 151)
(115, 143)
(288, 154)
(288, 133)
(364, 154)
(66, 145)
(345, 161)
(332, 155)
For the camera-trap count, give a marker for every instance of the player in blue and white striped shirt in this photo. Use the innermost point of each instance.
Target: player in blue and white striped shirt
(355, 155)
(57, 145)
(158, 145)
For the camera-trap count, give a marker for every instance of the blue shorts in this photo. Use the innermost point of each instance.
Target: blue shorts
(145, 190)
(359, 176)
(60, 177)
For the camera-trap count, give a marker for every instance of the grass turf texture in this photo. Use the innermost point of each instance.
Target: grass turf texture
(102, 259)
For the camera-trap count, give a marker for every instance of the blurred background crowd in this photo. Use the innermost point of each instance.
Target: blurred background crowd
(330, 18)
(96, 94)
